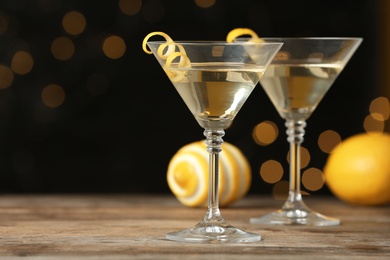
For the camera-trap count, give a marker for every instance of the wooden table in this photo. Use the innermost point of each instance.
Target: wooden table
(134, 227)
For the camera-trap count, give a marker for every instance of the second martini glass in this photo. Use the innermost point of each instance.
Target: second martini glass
(296, 81)
(214, 79)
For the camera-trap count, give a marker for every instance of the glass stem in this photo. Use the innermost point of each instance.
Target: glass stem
(295, 133)
(213, 141)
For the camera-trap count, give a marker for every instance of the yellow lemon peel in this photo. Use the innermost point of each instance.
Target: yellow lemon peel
(184, 61)
(235, 33)
(185, 177)
(168, 51)
(147, 37)
(171, 49)
(187, 174)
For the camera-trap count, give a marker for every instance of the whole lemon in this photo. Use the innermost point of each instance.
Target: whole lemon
(358, 169)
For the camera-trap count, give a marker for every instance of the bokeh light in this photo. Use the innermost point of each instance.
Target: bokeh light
(130, 7)
(373, 126)
(53, 96)
(22, 62)
(328, 140)
(62, 48)
(217, 51)
(114, 47)
(280, 190)
(265, 133)
(9, 25)
(305, 157)
(3, 22)
(271, 171)
(313, 179)
(74, 23)
(380, 108)
(205, 3)
(6, 76)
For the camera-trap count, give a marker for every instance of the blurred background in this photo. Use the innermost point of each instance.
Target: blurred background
(84, 110)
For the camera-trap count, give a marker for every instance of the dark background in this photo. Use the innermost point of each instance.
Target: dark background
(123, 139)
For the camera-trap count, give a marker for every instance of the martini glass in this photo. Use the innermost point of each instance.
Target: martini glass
(296, 81)
(214, 79)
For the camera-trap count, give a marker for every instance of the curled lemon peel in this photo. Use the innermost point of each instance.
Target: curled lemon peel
(168, 51)
(187, 174)
(235, 33)
(147, 37)
(184, 61)
(164, 54)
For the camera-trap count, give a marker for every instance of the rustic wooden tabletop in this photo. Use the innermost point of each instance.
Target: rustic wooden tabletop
(134, 227)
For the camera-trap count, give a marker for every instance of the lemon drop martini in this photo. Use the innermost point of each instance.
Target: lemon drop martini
(296, 81)
(214, 79)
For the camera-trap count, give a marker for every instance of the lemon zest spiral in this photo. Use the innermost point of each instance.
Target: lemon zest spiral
(235, 33)
(168, 51)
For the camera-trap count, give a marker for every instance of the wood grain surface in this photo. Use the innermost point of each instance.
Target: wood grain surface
(134, 227)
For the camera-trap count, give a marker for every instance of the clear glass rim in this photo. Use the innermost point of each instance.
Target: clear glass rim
(219, 43)
(310, 38)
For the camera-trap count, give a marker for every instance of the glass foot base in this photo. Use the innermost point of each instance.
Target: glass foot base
(212, 233)
(296, 217)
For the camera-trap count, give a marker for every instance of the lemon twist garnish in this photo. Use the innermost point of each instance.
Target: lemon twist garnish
(147, 37)
(235, 33)
(168, 51)
(184, 61)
